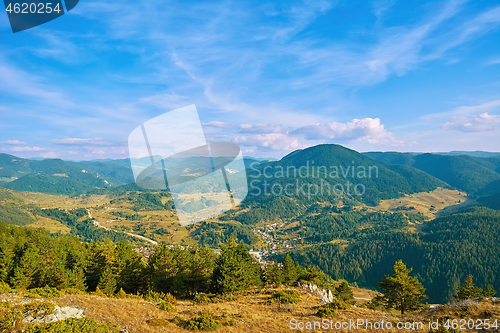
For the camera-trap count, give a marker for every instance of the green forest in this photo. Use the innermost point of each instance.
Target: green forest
(31, 258)
(446, 250)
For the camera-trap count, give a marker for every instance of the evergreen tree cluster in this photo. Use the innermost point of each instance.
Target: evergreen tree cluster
(447, 249)
(31, 258)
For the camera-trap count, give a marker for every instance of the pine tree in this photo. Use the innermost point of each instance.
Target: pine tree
(234, 269)
(26, 270)
(402, 291)
(489, 291)
(289, 270)
(274, 274)
(314, 275)
(107, 282)
(344, 293)
(76, 279)
(467, 290)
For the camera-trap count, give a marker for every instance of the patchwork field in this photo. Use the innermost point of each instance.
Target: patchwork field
(427, 203)
(49, 225)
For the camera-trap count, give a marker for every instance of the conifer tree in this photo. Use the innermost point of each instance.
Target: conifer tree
(274, 274)
(76, 279)
(489, 291)
(344, 293)
(234, 269)
(25, 271)
(289, 270)
(468, 290)
(402, 291)
(107, 283)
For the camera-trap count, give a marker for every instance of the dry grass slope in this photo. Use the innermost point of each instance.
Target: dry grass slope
(251, 313)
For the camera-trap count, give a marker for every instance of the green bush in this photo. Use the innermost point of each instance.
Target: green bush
(206, 299)
(157, 322)
(338, 304)
(205, 322)
(167, 306)
(158, 297)
(8, 319)
(74, 325)
(45, 292)
(326, 312)
(74, 291)
(178, 320)
(45, 307)
(284, 297)
(201, 299)
(4, 288)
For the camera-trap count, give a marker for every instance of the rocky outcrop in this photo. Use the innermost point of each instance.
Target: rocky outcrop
(325, 295)
(59, 313)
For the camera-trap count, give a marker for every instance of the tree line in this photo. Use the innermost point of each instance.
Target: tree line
(31, 258)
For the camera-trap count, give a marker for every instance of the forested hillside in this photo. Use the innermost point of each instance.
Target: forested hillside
(466, 173)
(58, 176)
(445, 251)
(324, 173)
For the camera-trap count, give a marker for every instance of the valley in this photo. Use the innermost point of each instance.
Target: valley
(440, 230)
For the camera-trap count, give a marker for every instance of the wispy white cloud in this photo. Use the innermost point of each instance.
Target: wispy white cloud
(261, 128)
(50, 154)
(367, 129)
(493, 62)
(465, 110)
(272, 141)
(82, 141)
(218, 124)
(478, 123)
(13, 142)
(26, 148)
(275, 137)
(21, 83)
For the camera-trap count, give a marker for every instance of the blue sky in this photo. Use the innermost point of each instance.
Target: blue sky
(273, 77)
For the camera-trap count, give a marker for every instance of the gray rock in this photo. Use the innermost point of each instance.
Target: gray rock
(59, 313)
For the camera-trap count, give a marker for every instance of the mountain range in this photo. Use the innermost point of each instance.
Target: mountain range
(398, 173)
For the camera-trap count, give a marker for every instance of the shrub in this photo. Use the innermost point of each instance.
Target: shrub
(74, 325)
(326, 312)
(45, 307)
(74, 291)
(167, 306)
(201, 299)
(45, 292)
(158, 297)
(121, 294)
(4, 288)
(205, 322)
(284, 297)
(338, 304)
(177, 320)
(98, 292)
(8, 320)
(206, 299)
(157, 322)
(374, 304)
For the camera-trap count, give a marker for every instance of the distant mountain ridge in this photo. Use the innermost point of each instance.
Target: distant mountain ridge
(401, 172)
(278, 190)
(466, 173)
(59, 176)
